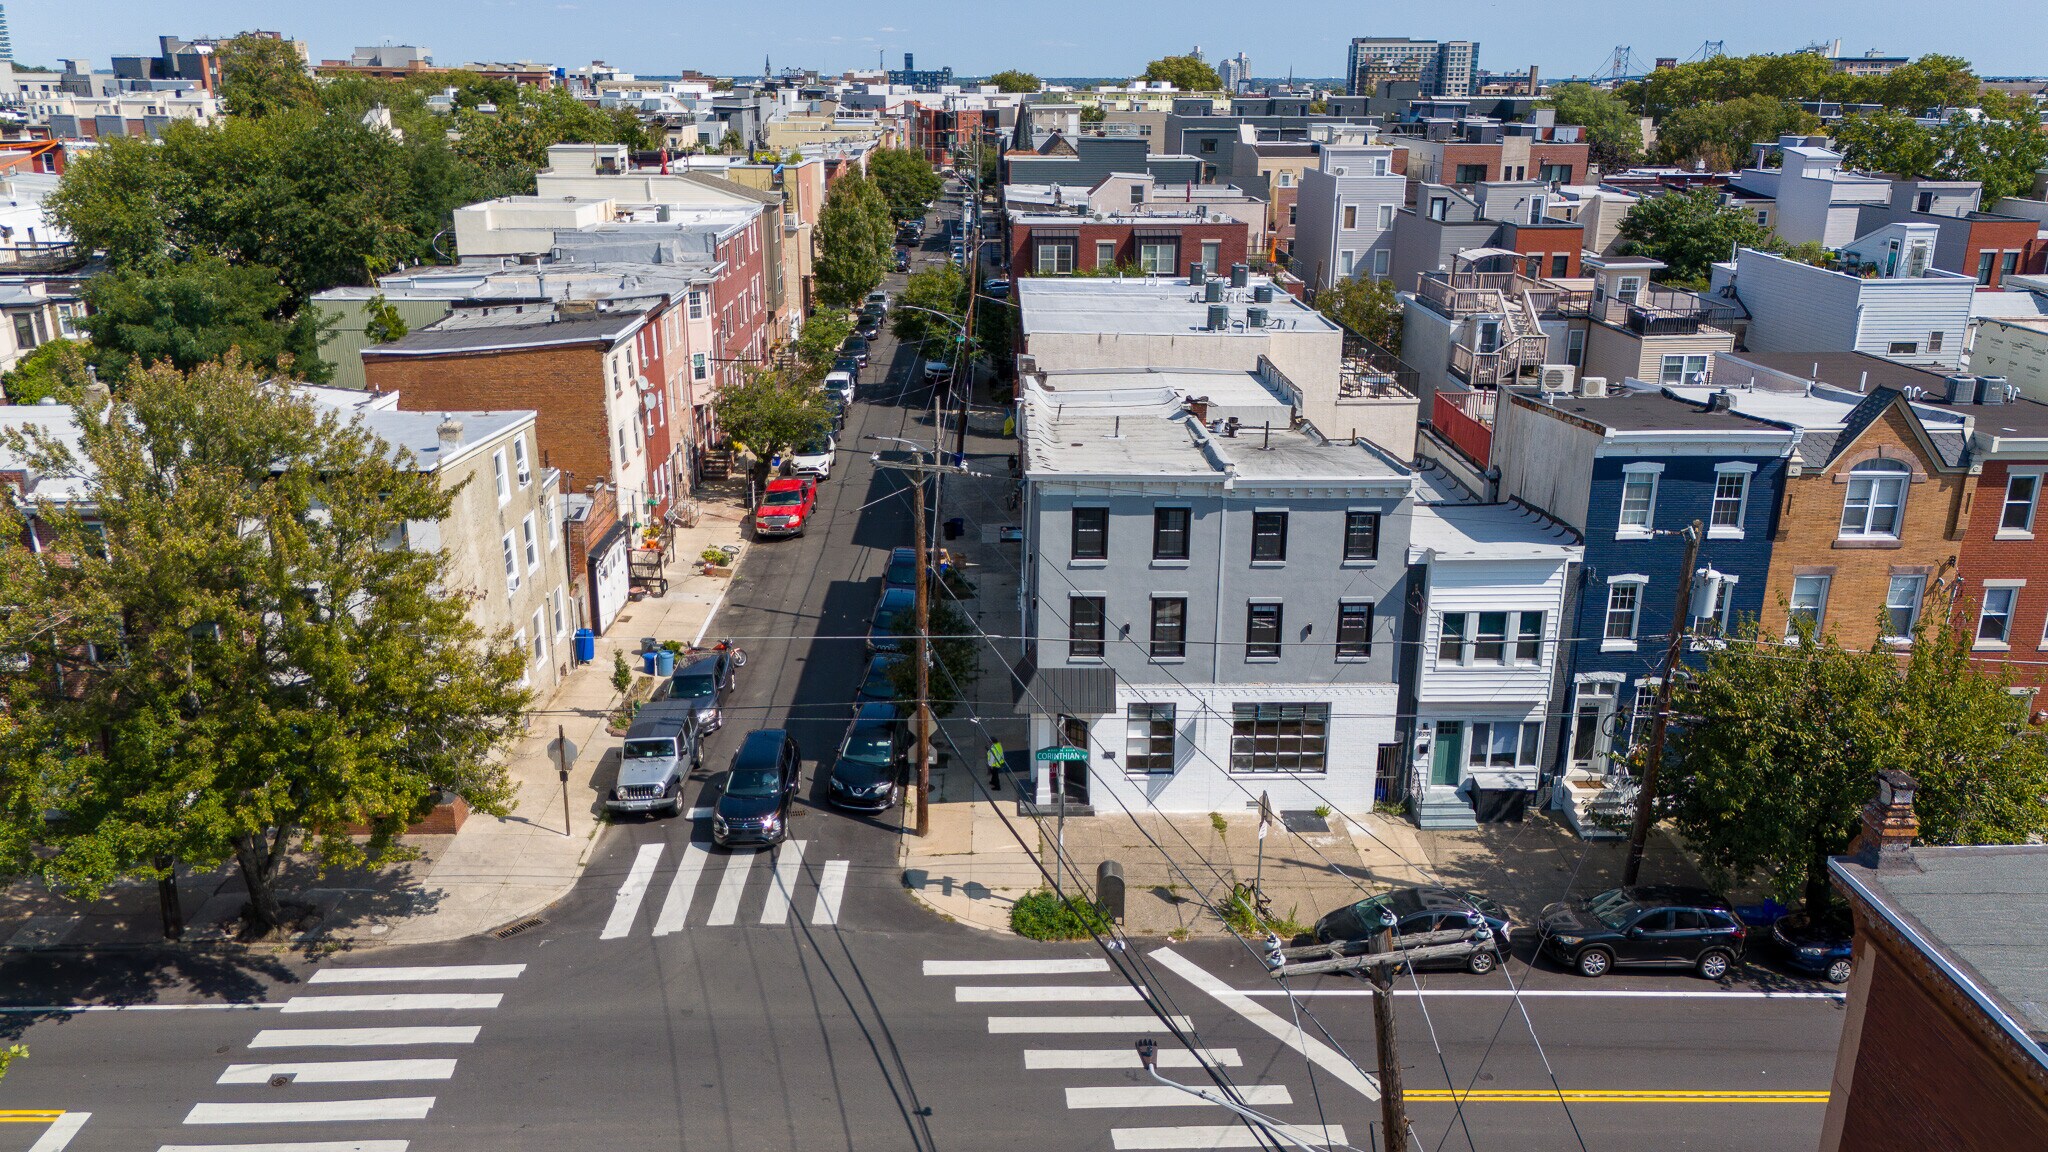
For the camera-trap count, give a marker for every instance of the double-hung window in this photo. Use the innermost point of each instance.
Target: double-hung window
(1902, 606)
(1085, 627)
(1158, 257)
(1809, 604)
(1169, 627)
(1354, 630)
(1148, 738)
(1055, 259)
(529, 540)
(1269, 537)
(1170, 533)
(519, 466)
(1638, 500)
(1683, 369)
(1091, 534)
(1361, 536)
(498, 477)
(1504, 744)
(1262, 631)
(1875, 500)
(1529, 638)
(2017, 514)
(511, 564)
(1490, 638)
(1490, 646)
(1994, 616)
(1279, 737)
(1731, 501)
(1105, 254)
(1624, 609)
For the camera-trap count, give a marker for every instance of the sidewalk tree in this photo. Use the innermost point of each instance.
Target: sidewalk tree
(1614, 131)
(1981, 762)
(906, 180)
(1187, 73)
(1689, 231)
(1012, 80)
(771, 411)
(941, 288)
(249, 672)
(817, 346)
(190, 313)
(956, 655)
(853, 236)
(260, 77)
(1369, 307)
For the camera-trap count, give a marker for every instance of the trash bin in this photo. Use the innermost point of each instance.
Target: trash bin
(1109, 889)
(647, 662)
(649, 643)
(586, 645)
(664, 662)
(956, 527)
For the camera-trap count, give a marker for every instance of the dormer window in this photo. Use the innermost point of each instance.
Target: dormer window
(1876, 502)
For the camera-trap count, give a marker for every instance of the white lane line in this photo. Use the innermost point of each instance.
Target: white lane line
(40, 1009)
(626, 906)
(731, 886)
(1026, 993)
(57, 1136)
(362, 1037)
(339, 1071)
(1107, 1059)
(675, 907)
(1162, 1096)
(1012, 967)
(1043, 1024)
(1564, 993)
(312, 1111)
(1326, 1057)
(400, 1002)
(789, 863)
(831, 889)
(697, 813)
(299, 1146)
(1222, 1136)
(417, 975)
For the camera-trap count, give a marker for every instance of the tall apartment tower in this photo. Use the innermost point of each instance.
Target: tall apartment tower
(1443, 67)
(6, 41)
(1236, 72)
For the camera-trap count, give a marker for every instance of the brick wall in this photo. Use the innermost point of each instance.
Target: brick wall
(1986, 557)
(1234, 236)
(565, 386)
(1573, 155)
(1860, 574)
(2002, 236)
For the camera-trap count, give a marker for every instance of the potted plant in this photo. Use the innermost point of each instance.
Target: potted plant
(718, 559)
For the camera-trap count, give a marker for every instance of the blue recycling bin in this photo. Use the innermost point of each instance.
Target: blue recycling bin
(664, 662)
(647, 663)
(586, 645)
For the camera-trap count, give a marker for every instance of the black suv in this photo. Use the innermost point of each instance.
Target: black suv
(753, 807)
(1669, 927)
(864, 776)
(1413, 911)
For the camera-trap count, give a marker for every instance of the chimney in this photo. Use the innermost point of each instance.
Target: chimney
(1889, 824)
(1720, 401)
(1198, 407)
(450, 431)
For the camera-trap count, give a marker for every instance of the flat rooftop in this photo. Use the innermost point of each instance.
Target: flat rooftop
(1652, 410)
(1155, 306)
(1508, 531)
(1108, 435)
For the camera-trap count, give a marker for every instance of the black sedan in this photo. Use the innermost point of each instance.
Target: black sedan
(878, 684)
(1651, 926)
(855, 347)
(701, 684)
(1414, 911)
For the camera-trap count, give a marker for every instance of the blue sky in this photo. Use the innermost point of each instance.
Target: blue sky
(980, 36)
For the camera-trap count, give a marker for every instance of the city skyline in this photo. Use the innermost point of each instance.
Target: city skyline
(629, 34)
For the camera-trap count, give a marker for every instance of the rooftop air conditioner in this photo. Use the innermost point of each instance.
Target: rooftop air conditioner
(1593, 387)
(1557, 379)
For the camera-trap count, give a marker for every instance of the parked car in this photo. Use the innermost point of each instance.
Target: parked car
(753, 807)
(1818, 947)
(937, 371)
(866, 771)
(849, 365)
(840, 383)
(996, 286)
(903, 260)
(881, 298)
(870, 327)
(786, 507)
(653, 759)
(1651, 926)
(902, 569)
(895, 604)
(700, 685)
(857, 347)
(837, 407)
(876, 684)
(814, 458)
(1412, 911)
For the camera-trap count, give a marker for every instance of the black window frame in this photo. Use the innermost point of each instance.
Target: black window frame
(1076, 532)
(1259, 534)
(1280, 738)
(1149, 761)
(1161, 531)
(1080, 645)
(1359, 524)
(1175, 647)
(1256, 612)
(1354, 629)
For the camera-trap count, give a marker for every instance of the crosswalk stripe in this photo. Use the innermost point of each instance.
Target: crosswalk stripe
(57, 1136)
(789, 863)
(626, 906)
(1041, 1024)
(675, 908)
(420, 975)
(300, 1146)
(1162, 1096)
(1105, 1059)
(1222, 1136)
(1012, 967)
(362, 1037)
(697, 813)
(312, 1111)
(831, 889)
(401, 1002)
(731, 886)
(339, 1071)
(1026, 993)
(1325, 1057)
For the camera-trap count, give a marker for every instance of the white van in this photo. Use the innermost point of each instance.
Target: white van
(841, 385)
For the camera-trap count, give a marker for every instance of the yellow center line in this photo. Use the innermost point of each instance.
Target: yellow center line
(29, 1115)
(1619, 1096)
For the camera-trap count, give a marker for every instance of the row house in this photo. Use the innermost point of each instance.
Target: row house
(1465, 151)
(1505, 222)
(1884, 297)
(1119, 224)
(1345, 211)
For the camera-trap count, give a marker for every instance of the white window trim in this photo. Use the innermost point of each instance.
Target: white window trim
(1876, 476)
(500, 478)
(1820, 615)
(529, 543)
(1724, 532)
(2011, 611)
(509, 549)
(1616, 644)
(1648, 529)
(2033, 506)
(1919, 607)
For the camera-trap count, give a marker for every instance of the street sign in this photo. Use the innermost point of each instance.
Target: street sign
(1065, 754)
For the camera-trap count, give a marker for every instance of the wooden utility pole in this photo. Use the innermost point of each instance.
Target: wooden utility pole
(923, 753)
(1393, 1106)
(1646, 787)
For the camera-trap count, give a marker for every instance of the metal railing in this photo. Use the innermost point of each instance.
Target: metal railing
(1370, 372)
(1660, 311)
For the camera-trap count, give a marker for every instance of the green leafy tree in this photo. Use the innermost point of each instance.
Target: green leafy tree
(191, 313)
(1689, 231)
(771, 412)
(853, 238)
(248, 671)
(1614, 131)
(1887, 142)
(1720, 135)
(381, 322)
(1371, 308)
(55, 370)
(1011, 80)
(1932, 81)
(262, 77)
(732, 143)
(1094, 114)
(817, 346)
(955, 650)
(1187, 73)
(2001, 150)
(906, 180)
(1981, 762)
(941, 288)
(120, 198)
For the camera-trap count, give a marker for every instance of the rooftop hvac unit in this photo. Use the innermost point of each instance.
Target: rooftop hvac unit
(1593, 387)
(1240, 275)
(1262, 294)
(1196, 273)
(1557, 379)
(1255, 317)
(1212, 292)
(1219, 317)
(1961, 389)
(1992, 390)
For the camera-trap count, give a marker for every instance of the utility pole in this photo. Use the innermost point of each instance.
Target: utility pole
(973, 291)
(1646, 787)
(1393, 1106)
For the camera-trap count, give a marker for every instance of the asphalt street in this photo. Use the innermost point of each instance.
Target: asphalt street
(685, 998)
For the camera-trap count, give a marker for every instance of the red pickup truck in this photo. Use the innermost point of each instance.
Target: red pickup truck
(786, 507)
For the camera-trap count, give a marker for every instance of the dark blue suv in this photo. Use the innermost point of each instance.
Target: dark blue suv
(760, 787)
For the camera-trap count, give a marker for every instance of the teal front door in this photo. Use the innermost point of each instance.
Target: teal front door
(1447, 754)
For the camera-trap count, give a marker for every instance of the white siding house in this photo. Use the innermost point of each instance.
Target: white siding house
(1912, 313)
(1345, 214)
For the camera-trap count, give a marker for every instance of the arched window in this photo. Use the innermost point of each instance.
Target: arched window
(1877, 499)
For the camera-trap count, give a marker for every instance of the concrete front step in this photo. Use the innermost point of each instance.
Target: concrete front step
(1443, 812)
